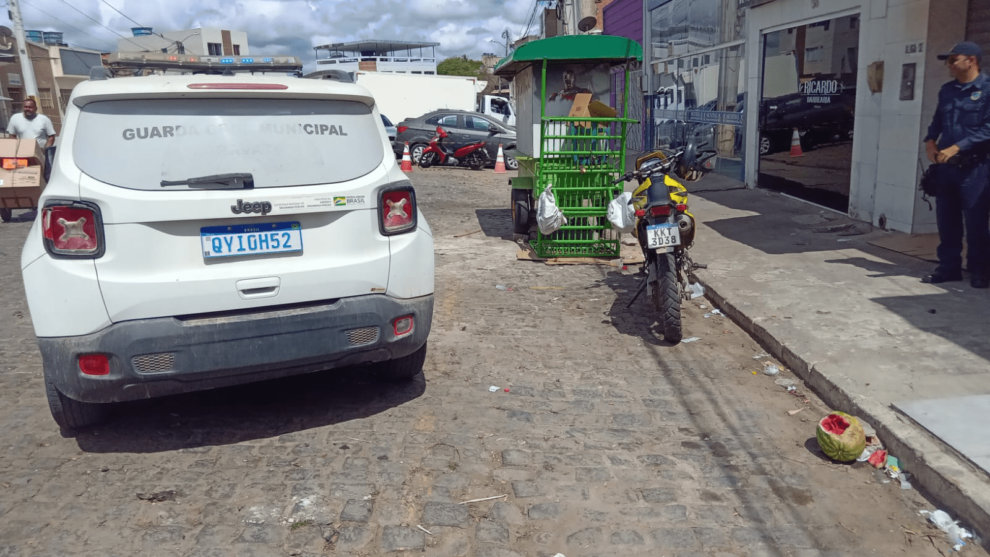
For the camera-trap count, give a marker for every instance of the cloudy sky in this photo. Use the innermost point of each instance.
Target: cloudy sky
(291, 26)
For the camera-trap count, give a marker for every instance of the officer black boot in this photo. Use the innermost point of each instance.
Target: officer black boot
(940, 276)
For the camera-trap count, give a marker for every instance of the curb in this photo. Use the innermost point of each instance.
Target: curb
(949, 479)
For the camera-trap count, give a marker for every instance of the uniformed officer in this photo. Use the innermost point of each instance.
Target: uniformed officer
(959, 140)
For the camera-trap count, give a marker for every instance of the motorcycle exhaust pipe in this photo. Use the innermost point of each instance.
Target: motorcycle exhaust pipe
(684, 223)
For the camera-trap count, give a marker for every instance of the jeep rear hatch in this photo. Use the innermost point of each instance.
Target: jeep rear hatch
(224, 204)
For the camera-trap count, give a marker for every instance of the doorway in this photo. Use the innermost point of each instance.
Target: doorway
(807, 111)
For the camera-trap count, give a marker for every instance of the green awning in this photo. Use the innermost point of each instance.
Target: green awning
(574, 48)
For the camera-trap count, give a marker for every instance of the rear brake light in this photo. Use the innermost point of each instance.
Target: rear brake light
(403, 325)
(397, 209)
(253, 86)
(640, 213)
(402, 129)
(661, 211)
(10, 164)
(94, 364)
(682, 207)
(72, 229)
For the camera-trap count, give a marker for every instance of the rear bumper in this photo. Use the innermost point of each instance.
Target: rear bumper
(158, 357)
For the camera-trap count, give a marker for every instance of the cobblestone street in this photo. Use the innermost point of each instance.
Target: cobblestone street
(601, 440)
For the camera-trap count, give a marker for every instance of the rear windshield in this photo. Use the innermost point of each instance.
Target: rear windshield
(292, 142)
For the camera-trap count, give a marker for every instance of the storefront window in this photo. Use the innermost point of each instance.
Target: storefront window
(808, 109)
(700, 67)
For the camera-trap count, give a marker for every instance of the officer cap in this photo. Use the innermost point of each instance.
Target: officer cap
(963, 49)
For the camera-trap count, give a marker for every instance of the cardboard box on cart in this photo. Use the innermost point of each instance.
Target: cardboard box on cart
(21, 186)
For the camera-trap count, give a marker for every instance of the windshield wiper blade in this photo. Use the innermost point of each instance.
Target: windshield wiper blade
(232, 180)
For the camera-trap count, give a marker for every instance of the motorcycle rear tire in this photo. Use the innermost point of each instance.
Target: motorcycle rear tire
(427, 159)
(476, 162)
(668, 297)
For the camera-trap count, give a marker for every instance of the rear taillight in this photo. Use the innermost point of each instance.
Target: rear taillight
(660, 211)
(640, 213)
(94, 364)
(397, 209)
(11, 164)
(403, 326)
(72, 229)
(402, 129)
(681, 208)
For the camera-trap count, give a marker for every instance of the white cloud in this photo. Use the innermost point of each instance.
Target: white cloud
(293, 26)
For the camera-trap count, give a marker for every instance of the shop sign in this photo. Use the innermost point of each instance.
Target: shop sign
(820, 91)
(716, 117)
(14, 79)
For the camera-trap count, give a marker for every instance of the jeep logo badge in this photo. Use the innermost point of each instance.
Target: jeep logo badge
(263, 207)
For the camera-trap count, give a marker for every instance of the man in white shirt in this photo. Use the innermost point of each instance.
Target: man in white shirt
(31, 124)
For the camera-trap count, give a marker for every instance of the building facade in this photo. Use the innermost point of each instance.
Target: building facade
(824, 100)
(204, 41)
(378, 56)
(57, 70)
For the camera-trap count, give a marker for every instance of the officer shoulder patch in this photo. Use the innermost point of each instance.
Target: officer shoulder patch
(976, 96)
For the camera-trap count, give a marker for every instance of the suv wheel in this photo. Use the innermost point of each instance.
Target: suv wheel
(765, 145)
(402, 369)
(6, 214)
(72, 414)
(511, 163)
(416, 152)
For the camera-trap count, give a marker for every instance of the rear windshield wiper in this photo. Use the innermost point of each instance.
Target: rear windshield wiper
(232, 181)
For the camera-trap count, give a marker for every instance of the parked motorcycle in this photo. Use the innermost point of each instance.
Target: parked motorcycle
(474, 156)
(664, 227)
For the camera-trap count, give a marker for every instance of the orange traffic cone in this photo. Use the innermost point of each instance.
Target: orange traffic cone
(796, 144)
(500, 161)
(406, 159)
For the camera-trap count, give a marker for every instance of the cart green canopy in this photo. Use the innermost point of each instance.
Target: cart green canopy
(602, 48)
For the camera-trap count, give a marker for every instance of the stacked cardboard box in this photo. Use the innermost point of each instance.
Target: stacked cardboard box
(21, 187)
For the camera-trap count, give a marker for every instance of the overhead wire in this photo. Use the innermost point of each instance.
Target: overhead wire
(142, 47)
(66, 24)
(132, 20)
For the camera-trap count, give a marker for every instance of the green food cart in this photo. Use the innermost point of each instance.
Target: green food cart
(569, 139)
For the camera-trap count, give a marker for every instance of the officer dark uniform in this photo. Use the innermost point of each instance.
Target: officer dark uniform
(962, 124)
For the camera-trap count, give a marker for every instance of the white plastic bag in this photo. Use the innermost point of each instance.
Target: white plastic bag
(548, 215)
(621, 214)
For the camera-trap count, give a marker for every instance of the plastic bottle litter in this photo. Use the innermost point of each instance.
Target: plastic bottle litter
(716, 312)
(692, 339)
(761, 355)
(905, 484)
(493, 389)
(696, 290)
(792, 389)
(957, 534)
(784, 382)
(707, 315)
(501, 287)
(770, 369)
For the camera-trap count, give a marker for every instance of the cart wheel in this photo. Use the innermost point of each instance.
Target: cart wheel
(521, 204)
(6, 214)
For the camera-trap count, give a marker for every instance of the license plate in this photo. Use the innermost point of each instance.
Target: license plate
(663, 235)
(250, 239)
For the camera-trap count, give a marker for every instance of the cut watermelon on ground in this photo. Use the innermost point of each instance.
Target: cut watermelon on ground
(841, 437)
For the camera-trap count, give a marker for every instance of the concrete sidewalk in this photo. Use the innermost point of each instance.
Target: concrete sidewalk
(854, 321)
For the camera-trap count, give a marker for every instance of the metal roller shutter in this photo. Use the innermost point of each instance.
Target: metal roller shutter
(978, 23)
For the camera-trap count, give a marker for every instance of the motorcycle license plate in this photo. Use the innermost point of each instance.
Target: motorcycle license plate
(663, 235)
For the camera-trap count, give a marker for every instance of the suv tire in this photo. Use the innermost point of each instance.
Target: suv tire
(71, 414)
(6, 214)
(402, 369)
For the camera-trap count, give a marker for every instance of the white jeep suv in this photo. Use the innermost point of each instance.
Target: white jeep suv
(200, 231)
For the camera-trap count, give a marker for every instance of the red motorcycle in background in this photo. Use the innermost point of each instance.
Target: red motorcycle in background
(474, 156)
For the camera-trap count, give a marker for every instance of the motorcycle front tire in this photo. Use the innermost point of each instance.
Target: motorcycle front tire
(426, 159)
(668, 297)
(476, 162)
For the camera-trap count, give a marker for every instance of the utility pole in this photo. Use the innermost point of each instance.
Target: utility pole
(27, 69)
